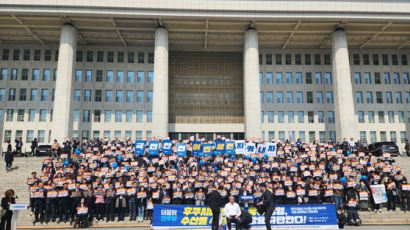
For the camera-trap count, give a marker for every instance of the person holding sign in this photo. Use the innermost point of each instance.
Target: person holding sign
(82, 215)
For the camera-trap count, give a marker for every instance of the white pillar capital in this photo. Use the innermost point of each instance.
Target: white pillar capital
(346, 122)
(251, 85)
(160, 88)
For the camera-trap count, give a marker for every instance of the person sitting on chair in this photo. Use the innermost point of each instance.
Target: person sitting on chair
(232, 213)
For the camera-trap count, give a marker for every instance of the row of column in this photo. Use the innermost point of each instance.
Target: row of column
(346, 126)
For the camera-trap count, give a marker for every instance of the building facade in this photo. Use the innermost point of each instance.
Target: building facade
(271, 69)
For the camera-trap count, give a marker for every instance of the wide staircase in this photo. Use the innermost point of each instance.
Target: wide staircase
(22, 167)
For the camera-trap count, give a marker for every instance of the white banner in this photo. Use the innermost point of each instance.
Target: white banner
(262, 148)
(379, 193)
(250, 148)
(240, 147)
(271, 149)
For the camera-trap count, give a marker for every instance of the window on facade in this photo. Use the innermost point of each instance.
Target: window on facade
(119, 96)
(359, 97)
(317, 59)
(298, 59)
(278, 59)
(88, 75)
(299, 97)
(23, 94)
(110, 76)
(298, 78)
(78, 75)
(319, 97)
(327, 59)
(356, 59)
(268, 59)
(108, 96)
(385, 59)
(367, 78)
(150, 77)
(98, 95)
(120, 57)
(24, 74)
(387, 80)
(389, 97)
(309, 97)
(100, 56)
(141, 58)
(379, 97)
(140, 77)
(128, 116)
(357, 78)
(399, 98)
(301, 117)
(279, 97)
(291, 117)
(369, 97)
(269, 78)
(281, 117)
(396, 78)
(308, 78)
(360, 115)
(311, 117)
(110, 56)
(79, 56)
(308, 60)
(328, 78)
(404, 59)
(14, 74)
(269, 97)
(86, 116)
(329, 97)
(46, 75)
(16, 55)
(380, 114)
(5, 55)
(130, 57)
(390, 115)
(20, 115)
(363, 135)
(370, 115)
(330, 117)
(140, 97)
(289, 97)
(89, 56)
(151, 58)
(394, 59)
(99, 75)
(87, 95)
(12, 94)
(43, 115)
(318, 78)
(120, 76)
(3, 74)
(375, 58)
(321, 116)
(26, 54)
(288, 59)
(2, 94)
(279, 79)
(366, 60)
(377, 78)
(289, 78)
(406, 79)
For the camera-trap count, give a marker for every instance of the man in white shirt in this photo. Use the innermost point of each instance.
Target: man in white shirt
(232, 213)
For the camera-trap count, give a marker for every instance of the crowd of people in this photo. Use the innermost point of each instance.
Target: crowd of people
(103, 180)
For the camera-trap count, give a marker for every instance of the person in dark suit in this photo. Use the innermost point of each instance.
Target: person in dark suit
(214, 200)
(267, 202)
(6, 201)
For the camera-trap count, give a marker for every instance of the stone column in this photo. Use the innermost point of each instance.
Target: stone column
(62, 125)
(346, 121)
(251, 85)
(160, 94)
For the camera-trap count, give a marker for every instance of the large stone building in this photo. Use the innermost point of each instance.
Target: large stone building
(276, 69)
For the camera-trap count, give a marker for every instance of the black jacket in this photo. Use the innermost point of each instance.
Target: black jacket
(9, 157)
(267, 200)
(5, 204)
(214, 201)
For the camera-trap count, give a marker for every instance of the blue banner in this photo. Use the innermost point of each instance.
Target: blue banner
(153, 148)
(167, 147)
(320, 216)
(219, 147)
(196, 148)
(139, 147)
(207, 150)
(230, 147)
(181, 149)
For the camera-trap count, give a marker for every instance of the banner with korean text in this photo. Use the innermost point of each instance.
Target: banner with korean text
(320, 216)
